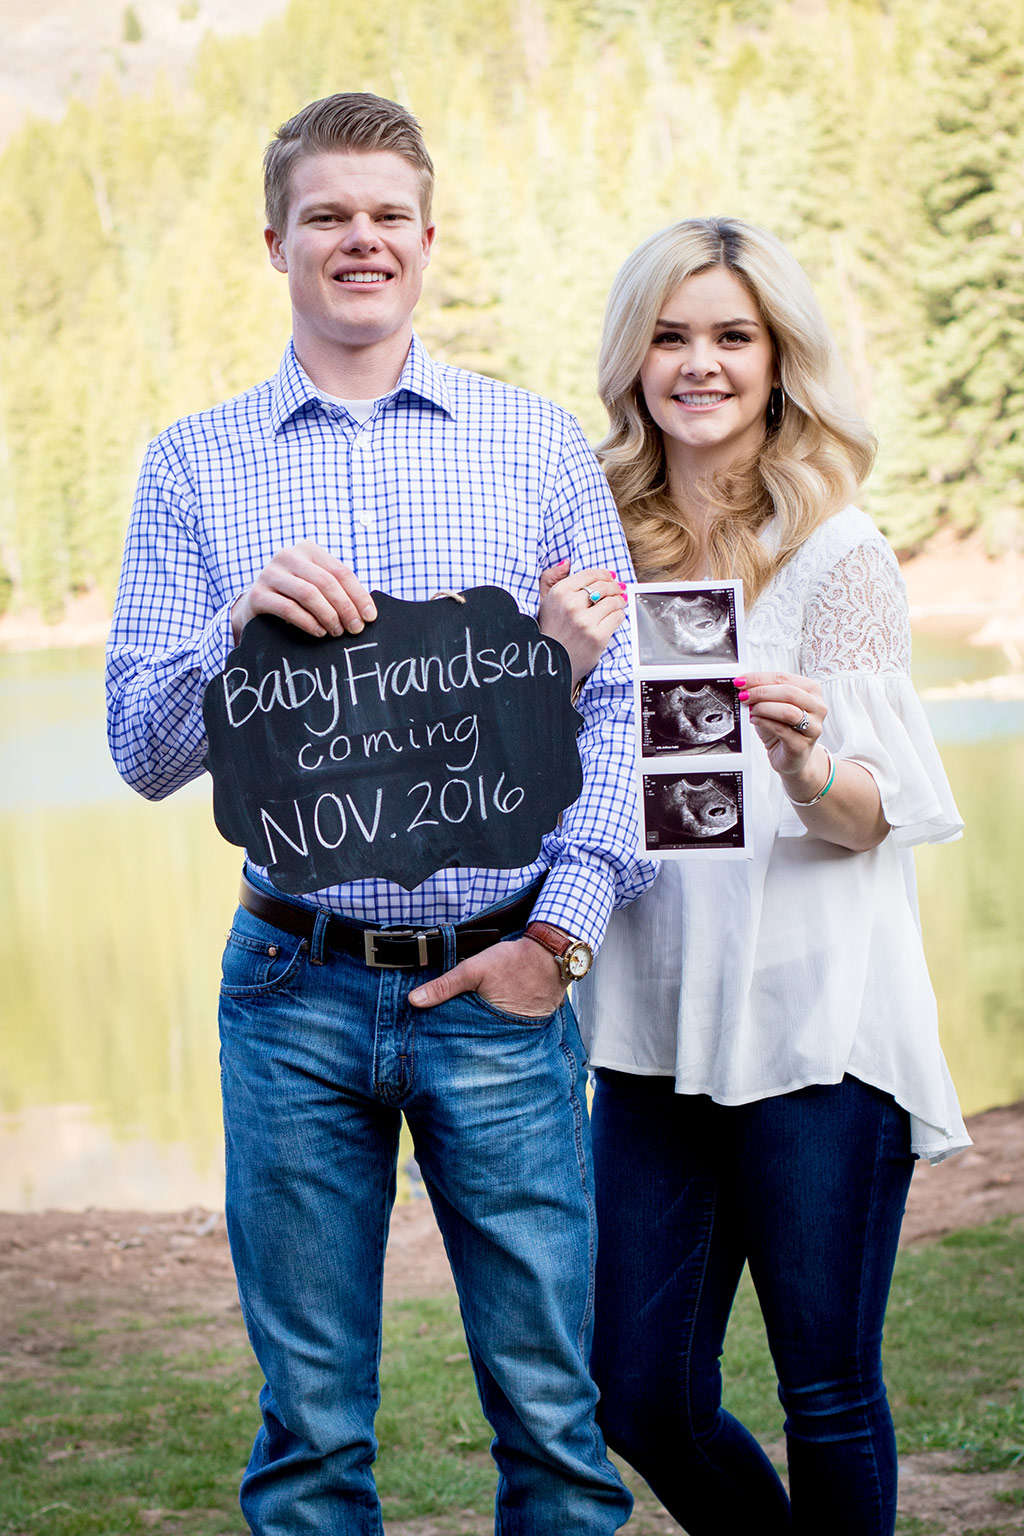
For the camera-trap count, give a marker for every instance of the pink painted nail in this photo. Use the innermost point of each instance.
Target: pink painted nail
(744, 697)
(739, 682)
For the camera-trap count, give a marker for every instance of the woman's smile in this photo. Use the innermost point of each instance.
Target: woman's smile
(701, 401)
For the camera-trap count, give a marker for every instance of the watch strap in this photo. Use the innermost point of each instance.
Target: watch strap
(554, 939)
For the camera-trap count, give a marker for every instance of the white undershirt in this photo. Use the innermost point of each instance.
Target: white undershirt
(362, 410)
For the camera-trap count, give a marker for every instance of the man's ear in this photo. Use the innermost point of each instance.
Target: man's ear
(430, 230)
(275, 245)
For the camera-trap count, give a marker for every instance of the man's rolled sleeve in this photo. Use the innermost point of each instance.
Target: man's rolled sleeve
(595, 863)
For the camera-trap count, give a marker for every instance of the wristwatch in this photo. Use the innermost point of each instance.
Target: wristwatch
(574, 956)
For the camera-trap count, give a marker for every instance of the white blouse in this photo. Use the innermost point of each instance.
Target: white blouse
(752, 978)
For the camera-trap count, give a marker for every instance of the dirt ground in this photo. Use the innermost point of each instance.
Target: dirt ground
(171, 1261)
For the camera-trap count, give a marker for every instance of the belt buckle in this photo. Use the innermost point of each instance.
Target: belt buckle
(371, 935)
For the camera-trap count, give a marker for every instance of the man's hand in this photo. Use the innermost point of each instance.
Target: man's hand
(309, 588)
(517, 977)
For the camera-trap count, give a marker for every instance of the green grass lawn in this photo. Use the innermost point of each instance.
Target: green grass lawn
(145, 1425)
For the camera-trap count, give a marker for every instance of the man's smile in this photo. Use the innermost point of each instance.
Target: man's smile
(362, 277)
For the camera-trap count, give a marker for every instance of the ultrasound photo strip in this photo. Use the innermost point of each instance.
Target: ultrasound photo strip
(692, 732)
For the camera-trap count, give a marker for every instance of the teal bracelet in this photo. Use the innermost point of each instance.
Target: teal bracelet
(827, 785)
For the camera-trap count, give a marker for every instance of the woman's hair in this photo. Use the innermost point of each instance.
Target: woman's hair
(812, 460)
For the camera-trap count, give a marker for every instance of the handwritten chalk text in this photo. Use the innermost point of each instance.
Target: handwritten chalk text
(293, 688)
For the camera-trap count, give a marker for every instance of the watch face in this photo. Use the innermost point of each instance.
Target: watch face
(578, 960)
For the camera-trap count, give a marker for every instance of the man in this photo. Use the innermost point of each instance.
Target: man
(361, 464)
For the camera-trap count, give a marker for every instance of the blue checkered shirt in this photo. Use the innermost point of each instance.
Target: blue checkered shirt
(455, 481)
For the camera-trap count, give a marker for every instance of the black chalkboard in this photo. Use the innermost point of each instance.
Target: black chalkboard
(441, 735)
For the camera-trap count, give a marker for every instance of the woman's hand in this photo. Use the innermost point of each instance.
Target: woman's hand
(568, 615)
(788, 713)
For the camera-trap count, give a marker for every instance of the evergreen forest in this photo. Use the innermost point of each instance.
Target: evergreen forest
(882, 139)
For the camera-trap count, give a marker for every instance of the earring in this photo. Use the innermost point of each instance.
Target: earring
(776, 408)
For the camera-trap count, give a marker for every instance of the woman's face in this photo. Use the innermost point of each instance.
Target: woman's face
(708, 372)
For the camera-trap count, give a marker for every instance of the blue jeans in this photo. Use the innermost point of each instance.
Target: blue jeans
(808, 1188)
(321, 1055)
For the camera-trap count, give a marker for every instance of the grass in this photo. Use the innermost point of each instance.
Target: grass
(954, 1350)
(138, 1425)
(955, 1337)
(96, 1439)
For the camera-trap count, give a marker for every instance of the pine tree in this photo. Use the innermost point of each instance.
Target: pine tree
(883, 141)
(965, 460)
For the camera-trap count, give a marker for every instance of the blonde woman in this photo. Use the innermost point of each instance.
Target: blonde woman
(763, 1032)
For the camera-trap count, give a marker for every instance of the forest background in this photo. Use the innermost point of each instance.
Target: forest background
(883, 141)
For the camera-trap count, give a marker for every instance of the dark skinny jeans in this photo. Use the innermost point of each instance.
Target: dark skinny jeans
(809, 1189)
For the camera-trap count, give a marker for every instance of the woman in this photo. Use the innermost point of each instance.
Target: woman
(763, 1032)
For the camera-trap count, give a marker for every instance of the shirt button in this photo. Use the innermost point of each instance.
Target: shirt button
(365, 518)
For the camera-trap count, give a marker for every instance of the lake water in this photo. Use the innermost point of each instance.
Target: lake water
(113, 913)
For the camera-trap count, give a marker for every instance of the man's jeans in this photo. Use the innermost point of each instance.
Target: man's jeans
(808, 1188)
(319, 1055)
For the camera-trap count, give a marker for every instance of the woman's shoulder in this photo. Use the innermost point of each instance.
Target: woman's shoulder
(843, 555)
(841, 534)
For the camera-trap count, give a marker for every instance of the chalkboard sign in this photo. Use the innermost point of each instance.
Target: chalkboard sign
(441, 735)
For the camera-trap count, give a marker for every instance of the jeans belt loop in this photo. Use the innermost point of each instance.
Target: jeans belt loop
(448, 935)
(316, 948)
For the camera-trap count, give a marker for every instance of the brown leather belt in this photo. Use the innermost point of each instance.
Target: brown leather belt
(397, 949)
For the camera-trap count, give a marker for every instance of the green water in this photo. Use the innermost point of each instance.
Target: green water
(113, 914)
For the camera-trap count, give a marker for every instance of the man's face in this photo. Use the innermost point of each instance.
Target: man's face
(354, 249)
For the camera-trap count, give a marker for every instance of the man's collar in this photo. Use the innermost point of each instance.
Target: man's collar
(293, 389)
(422, 377)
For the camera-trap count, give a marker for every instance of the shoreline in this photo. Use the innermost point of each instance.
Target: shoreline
(85, 622)
(983, 1183)
(952, 585)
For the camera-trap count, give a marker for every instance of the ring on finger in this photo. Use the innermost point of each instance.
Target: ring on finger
(803, 722)
(594, 595)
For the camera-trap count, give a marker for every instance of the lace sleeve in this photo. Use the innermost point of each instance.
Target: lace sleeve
(856, 619)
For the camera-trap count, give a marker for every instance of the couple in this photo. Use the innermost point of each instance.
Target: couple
(763, 1033)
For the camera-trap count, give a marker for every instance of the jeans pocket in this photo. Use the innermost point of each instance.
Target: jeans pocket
(527, 1020)
(259, 960)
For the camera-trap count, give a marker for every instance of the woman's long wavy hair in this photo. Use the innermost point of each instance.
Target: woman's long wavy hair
(812, 460)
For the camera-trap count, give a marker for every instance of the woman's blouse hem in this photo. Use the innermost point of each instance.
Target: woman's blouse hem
(930, 1143)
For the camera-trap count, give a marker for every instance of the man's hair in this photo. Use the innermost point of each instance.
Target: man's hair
(350, 120)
